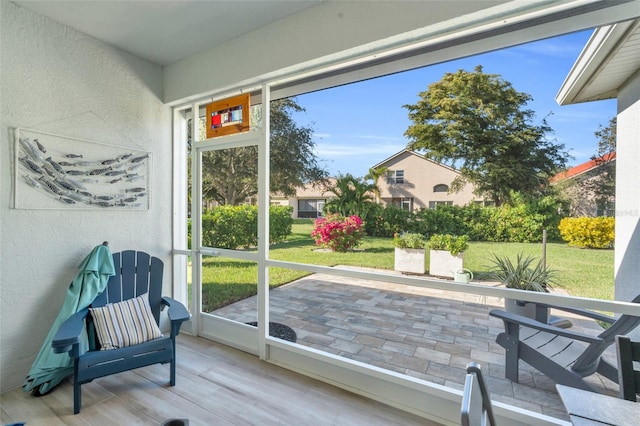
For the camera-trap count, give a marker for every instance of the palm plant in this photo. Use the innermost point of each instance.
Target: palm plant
(375, 174)
(353, 196)
(524, 274)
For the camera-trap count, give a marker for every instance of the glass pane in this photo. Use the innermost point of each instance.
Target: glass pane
(229, 288)
(229, 221)
(230, 183)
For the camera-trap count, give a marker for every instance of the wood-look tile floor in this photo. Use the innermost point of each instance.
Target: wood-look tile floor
(215, 385)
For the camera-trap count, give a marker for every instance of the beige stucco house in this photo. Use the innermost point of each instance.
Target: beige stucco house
(577, 185)
(413, 182)
(309, 199)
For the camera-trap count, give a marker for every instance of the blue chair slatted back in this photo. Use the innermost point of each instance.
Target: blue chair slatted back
(137, 273)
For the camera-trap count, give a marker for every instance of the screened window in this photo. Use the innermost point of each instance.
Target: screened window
(310, 208)
(433, 204)
(405, 203)
(395, 176)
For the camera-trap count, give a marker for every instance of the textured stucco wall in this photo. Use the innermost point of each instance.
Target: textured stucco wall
(627, 254)
(58, 80)
(420, 177)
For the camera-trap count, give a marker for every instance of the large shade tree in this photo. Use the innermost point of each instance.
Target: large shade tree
(479, 124)
(230, 175)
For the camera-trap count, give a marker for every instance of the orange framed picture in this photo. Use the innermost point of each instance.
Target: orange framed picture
(228, 116)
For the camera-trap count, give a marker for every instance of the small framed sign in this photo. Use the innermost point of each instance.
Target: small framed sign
(228, 116)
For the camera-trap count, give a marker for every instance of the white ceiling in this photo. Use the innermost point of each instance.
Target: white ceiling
(164, 32)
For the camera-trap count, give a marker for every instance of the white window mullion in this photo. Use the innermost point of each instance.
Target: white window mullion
(263, 226)
(180, 188)
(196, 222)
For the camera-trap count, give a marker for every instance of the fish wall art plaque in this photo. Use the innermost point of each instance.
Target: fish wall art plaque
(60, 172)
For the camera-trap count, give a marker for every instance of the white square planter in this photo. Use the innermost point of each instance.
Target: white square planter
(409, 260)
(444, 264)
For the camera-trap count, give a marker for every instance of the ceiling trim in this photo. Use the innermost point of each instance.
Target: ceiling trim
(491, 29)
(592, 61)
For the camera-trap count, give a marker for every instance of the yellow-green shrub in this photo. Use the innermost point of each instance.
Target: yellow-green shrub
(588, 232)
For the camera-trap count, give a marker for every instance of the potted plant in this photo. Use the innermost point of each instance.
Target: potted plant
(446, 255)
(524, 274)
(409, 252)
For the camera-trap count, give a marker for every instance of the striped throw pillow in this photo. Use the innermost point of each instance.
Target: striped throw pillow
(125, 323)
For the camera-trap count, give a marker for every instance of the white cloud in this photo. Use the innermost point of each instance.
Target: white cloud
(338, 150)
(577, 115)
(378, 137)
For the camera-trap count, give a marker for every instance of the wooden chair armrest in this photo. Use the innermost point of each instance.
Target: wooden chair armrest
(69, 332)
(583, 312)
(508, 317)
(177, 311)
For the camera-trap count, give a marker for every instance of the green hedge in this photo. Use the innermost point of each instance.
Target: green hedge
(521, 221)
(235, 227)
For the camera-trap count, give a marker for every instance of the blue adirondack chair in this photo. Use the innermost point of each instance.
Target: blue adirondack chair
(563, 355)
(137, 273)
(628, 373)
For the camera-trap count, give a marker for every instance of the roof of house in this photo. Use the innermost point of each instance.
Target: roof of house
(312, 190)
(582, 168)
(608, 59)
(397, 154)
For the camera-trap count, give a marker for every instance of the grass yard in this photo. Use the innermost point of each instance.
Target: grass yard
(585, 273)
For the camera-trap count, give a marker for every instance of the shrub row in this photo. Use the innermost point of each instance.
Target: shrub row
(588, 232)
(235, 227)
(520, 222)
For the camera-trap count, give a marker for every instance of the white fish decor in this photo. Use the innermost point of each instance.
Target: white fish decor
(78, 174)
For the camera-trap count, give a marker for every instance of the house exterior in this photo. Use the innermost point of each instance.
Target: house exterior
(411, 182)
(578, 183)
(414, 182)
(309, 199)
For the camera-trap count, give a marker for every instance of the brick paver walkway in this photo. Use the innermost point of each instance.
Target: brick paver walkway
(424, 333)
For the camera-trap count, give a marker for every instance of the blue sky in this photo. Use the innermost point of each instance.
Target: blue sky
(359, 125)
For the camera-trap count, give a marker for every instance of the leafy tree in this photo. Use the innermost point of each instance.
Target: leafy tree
(353, 196)
(481, 122)
(230, 175)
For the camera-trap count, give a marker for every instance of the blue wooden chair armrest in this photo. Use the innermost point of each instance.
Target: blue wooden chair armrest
(69, 332)
(583, 312)
(508, 317)
(177, 314)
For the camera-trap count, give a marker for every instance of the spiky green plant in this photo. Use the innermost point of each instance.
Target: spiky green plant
(524, 274)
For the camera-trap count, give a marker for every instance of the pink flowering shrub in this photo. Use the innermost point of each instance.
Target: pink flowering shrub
(337, 232)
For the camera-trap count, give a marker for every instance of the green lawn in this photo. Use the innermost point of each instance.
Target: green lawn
(586, 273)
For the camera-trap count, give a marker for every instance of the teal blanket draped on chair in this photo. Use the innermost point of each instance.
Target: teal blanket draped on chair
(50, 368)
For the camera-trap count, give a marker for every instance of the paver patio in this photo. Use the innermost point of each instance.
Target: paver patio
(425, 333)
